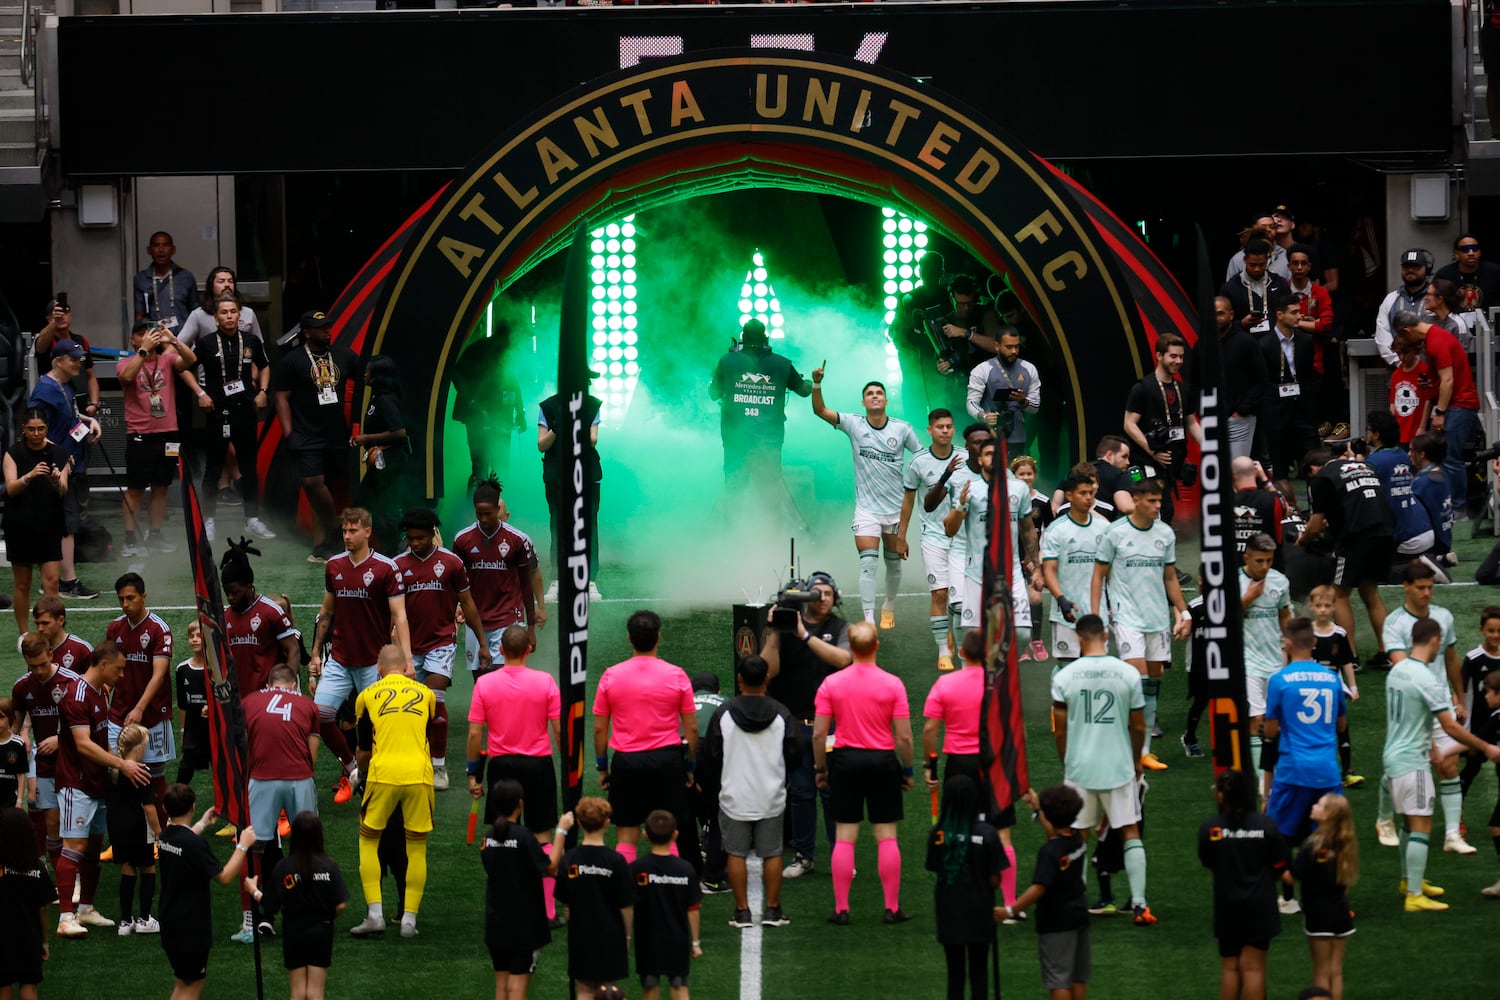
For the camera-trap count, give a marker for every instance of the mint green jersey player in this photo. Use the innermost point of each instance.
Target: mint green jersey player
(1137, 558)
(921, 475)
(1073, 547)
(1099, 693)
(1397, 634)
(976, 530)
(1413, 699)
(878, 454)
(956, 482)
(1263, 655)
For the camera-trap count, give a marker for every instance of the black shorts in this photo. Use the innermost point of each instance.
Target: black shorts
(307, 944)
(330, 463)
(28, 547)
(19, 969)
(146, 461)
(642, 781)
(136, 854)
(864, 778)
(513, 961)
(968, 763)
(74, 502)
(538, 780)
(650, 982)
(1363, 560)
(1230, 945)
(188, 964)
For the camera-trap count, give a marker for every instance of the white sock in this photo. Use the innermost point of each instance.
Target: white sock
(939, 624)
(868, 560)
(440, 762)
(246, 920)
(376, 911)
(892, 579)
(1450, 794)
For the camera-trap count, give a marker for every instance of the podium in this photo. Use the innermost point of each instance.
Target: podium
(751, 623)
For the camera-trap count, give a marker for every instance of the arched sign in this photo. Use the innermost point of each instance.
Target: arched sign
(663, 130)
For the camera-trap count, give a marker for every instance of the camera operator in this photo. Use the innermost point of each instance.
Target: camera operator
(1003, 389)
(1160, 413)
(969, 333)
(909, 332)
(750, 384)
(814, 646)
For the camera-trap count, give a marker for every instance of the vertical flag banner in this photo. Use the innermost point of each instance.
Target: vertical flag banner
(1223, 628)
(226, 730)
(1002, 731)
(573, 543)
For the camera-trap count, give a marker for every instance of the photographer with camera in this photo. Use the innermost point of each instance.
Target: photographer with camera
(70, 430)
(807, 642)
(148, 384)
(968, 333)
(1160, 413)
(1004, 389)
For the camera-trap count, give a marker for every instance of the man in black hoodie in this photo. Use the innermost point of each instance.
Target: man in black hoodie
(752, 744)
(1244, 369)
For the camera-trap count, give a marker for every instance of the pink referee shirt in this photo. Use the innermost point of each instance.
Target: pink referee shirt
(862, 699)
(645, 698)
(515, 704)
(954, 701)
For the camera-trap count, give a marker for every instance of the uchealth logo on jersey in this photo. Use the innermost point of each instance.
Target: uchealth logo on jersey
(744, 642)
(369, 577)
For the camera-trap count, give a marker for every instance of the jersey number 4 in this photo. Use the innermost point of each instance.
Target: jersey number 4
(278, 707)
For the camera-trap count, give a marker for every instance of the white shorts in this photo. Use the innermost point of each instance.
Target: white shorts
(338, 681)
(867, 525)
(1255, 693)
(1442, 743)
(471, 647)
(1154, 647)
(957, 556)
(1121, 805)
(1412, 794)
(160, 744)
(1064, 642)
(78, 815)
(1020, 603)
(46, 793)
(935, 560)
(435, 661)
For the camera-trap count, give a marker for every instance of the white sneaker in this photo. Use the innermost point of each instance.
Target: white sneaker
(408, 927)
(1492, 891)
(70, 928)
(1385, 830)
(551, 591)
(1289, 906)
(368, 927)
(1454, 843)
(258, 528)
(208, 528)
(440, 779)
(147, 925)
(594, 591)
(799, 867)
(93, 918)
(126, 929)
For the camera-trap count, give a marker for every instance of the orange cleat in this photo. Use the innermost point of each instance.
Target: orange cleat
(343, 792)
(284, 825)
(1151, 763)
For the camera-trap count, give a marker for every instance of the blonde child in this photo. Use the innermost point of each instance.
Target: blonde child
(1327, 866)
(1335, 651)
(133, 827)
(600, 897)
(1024, 468)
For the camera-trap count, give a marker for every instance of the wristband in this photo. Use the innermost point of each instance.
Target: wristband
(474, 767)
(932, 766)
(907, 772)
(697, 944)
(601, 761)
(242, 848)
(692, 766)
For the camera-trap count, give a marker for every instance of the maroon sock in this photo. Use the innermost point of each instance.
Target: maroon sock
(333, 738)
(67, 875)
(54, 852)
(437, 729)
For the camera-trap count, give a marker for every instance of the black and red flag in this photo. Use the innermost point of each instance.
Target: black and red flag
(1002, 731)
(226, 730)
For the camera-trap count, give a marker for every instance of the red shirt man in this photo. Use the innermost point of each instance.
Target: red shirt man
(281, 728)
(504, 575)
(68, 650)
(144, 694)
(261, 635)
(37, 695)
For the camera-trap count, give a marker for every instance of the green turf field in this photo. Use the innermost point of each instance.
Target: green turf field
(1393, 954)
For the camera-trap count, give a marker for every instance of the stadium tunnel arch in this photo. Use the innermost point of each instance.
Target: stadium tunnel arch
(696, 124)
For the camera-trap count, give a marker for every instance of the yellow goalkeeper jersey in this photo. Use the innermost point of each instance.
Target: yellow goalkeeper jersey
(391, 717)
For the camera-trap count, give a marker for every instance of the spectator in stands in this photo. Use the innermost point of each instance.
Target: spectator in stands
(1265, 229)
(1317, 320)
(1442, 300)
(1288, 422)
(36, 480)
(1455, 413)
(69, 430)
(236, 379)
(148, 383)
(1430, 487)
(1409, 296)
(201, 323)
(1244, 369)
(1414, 534)
(1478, 280)
(1412, 387)
(166, 292)
(60, 326)
(1252, 289)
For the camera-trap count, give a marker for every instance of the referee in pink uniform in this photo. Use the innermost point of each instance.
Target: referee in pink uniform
(869, 768)
(514, 717)
(643, 711)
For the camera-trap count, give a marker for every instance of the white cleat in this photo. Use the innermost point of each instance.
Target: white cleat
(1454, 843)
(93, 918)
(440, 779)
(1385, 830)
(258, 528)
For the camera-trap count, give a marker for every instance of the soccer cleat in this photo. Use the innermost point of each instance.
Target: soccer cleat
(244, 935)
(1015, 918)
(799, 867)
(258, 528)
(551, 591)
(108, 854)
(343, 791)
(409, 929)
(712, 888)
(283, 825)
(1491, 891)
(1151, 763)
(896, 916)
(742, 919)
(440, 779)
(77, 590)
(126, 928)
(227, 830)
(266, 929)
(146, 925)
(1415, 904)
(67, 927)
(1156, 732)
(945, 664)
(229, 496)
(887, 618)
(93, 918)
(1143, 915)
(1353, 780)
(1428, 889)
(773, 917)
(594, 591)
(1454, 843)
(208, 528)
(840, 918)
(1385, 832)
(1190, 747)
(1104, 908)
(1038, 650)
(368, 927)
(1289, 906)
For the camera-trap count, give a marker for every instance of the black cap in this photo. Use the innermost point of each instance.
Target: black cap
(315, 320)
(1283, 211)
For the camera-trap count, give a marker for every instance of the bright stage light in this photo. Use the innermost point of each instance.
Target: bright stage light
(903, 242)
(614, 293)
(758, 298)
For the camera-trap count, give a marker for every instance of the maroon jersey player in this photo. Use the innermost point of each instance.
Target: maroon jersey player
(68, 650)
(261, 634)
(144, 694)
(504, 574)
(37, 695)
(83, 763)
(435, 581)
(363, 601)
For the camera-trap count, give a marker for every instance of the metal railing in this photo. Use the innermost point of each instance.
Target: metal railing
(28, 43)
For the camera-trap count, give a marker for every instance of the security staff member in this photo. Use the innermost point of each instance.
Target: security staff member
(798, 661)
(750, 384)
(236, 381)
(1289, 422)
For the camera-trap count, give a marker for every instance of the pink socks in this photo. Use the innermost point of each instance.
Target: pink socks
(626, 851)
(1008, 876)
(842, 869)
(889, 860)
